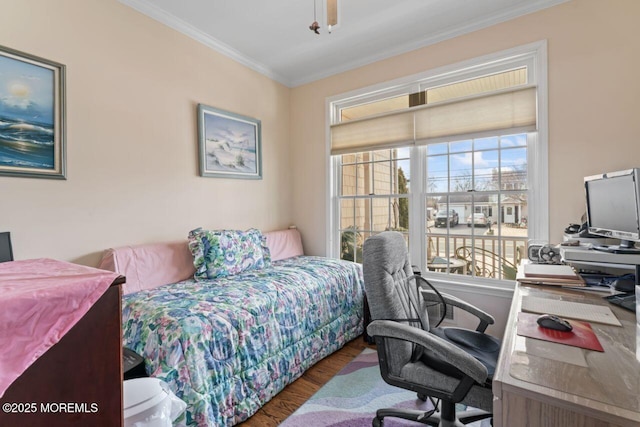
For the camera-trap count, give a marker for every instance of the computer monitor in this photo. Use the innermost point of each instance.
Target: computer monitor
(613, 208)
(6, 253)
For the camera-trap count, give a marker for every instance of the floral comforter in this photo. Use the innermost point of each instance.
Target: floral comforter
(227, 346)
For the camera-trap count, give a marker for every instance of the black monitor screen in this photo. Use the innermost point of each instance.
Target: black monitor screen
(6, 254)
(612, 207)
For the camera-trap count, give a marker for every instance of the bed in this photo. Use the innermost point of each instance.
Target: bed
(227, 345)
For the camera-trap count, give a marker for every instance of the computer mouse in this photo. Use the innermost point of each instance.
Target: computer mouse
(550, 321)
(624, 284)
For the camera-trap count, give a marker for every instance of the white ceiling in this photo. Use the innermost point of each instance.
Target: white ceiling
(273, 36)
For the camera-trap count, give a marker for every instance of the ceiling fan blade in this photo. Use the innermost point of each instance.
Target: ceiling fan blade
(332, 12)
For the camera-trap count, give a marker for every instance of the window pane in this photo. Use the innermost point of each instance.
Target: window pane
(348, 180)
(347, 213)
(380, 212)
(485, 213)
(404, 176)
(363, 179)
(514, 169)
(382, 179)
(437, 174)
(513, 214)
(361, 218)
(485, 168)
(432, 208)
(402, 220)
(461, 172)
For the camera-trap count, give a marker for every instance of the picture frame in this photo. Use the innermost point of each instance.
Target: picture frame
(32, 116)
(230, 144)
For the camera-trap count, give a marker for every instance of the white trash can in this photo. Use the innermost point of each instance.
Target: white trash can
(148, 402)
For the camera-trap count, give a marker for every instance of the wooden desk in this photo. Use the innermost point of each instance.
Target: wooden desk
(531, 389)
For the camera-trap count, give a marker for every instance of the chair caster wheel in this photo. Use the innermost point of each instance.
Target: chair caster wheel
(377, 422)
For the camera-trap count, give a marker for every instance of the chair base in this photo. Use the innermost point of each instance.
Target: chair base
(435, 419)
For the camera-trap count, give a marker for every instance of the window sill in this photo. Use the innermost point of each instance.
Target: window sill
(453, 283)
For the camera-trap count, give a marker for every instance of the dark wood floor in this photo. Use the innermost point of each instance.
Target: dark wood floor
(296, 393)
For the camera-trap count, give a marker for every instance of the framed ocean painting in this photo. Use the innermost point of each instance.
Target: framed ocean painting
(229, 144)
(32, 116)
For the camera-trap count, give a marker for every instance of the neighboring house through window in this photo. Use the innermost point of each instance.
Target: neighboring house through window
(454, 159)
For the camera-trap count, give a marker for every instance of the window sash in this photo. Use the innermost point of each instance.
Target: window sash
(417, 214)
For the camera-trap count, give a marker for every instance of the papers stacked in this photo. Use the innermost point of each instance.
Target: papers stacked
(549, 274)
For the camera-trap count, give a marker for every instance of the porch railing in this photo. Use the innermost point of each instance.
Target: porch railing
(486, 260)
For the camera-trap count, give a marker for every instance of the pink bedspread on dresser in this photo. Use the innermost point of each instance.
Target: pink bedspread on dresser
(40, 301)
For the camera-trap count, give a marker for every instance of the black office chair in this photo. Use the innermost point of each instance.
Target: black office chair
(453, 365)
(6, 253)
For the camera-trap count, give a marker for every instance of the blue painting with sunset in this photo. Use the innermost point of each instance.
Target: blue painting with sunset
(26, 115)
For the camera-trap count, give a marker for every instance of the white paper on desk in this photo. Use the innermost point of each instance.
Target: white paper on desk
(572, 310)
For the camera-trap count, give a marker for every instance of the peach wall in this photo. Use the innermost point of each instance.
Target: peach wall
(133, 85)
(593, 63)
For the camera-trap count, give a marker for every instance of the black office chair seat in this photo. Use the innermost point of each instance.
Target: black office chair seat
(483, 347)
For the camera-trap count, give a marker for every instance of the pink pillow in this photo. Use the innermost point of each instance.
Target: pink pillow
(284, 243)
(150, 266)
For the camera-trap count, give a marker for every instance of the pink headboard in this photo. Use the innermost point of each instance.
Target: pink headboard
(284, 244)
(149, 266)
(152, 265)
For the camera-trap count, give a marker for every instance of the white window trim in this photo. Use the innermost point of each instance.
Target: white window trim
(534, 56)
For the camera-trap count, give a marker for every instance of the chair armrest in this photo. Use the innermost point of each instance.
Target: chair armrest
(433, 344)
(485, 318)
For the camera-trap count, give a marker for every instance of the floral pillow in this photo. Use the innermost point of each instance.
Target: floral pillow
(221, 253)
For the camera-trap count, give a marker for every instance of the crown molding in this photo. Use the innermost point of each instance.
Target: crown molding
(430, 40)
(147, 8)
(152, 11)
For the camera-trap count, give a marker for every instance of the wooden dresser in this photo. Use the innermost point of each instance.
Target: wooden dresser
(78, 381)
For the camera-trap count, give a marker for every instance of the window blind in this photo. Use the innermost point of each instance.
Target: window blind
(384, 131)
(507, 109)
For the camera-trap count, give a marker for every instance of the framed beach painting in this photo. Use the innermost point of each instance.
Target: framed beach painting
(229, 144)
(32, 116)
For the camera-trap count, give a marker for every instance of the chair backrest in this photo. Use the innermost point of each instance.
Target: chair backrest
(386, 267)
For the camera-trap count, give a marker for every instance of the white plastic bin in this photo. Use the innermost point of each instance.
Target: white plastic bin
(148, 402)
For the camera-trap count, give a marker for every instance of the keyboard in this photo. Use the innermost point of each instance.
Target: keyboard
(626, 301)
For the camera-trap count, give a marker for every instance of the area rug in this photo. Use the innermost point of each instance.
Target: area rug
(351, 398)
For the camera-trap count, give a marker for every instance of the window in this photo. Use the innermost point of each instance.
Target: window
(476, 178)
(454, 159)
(373, 198)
